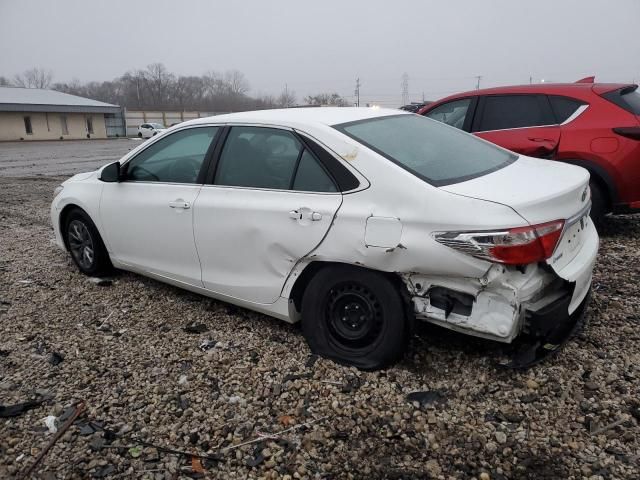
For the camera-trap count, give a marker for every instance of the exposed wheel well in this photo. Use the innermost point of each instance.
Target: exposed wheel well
(301, 283)
(64, 214)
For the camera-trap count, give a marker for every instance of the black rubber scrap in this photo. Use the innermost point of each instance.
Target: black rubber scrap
(427, 397)
(19, 408)
(56, 358)
(194, 327)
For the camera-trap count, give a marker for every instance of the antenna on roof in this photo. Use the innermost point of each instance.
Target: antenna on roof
(587, 80)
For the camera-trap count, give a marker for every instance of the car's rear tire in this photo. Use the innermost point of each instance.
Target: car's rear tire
(599, 204)
(85, 244)
(355, 317)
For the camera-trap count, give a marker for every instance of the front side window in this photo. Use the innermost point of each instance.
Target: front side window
(434, 152)
(176, 158)
(502, 112)
(259, 157)
(451, 113)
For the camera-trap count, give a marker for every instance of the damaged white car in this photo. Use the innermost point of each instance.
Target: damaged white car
(354, 221)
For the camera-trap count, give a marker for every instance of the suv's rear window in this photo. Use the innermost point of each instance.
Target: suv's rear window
(436, 153)
(627, 98)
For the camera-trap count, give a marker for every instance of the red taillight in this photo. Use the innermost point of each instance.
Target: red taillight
(629, 132)
(528, 244)
(513, 246)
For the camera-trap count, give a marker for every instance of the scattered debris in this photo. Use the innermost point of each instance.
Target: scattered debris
(427, 397)
(103, 472)
(19, 408)
(56, 358)
(136, 451)
(182, 380)
(195, 328)
(52, 423)
(78, 409)
(196, 465)
(611, 425)
(207, 345)
(311, 361)
(286, 420)
(101, 282)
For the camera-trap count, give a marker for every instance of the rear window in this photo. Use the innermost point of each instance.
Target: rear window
(627, 98)
(434, 152)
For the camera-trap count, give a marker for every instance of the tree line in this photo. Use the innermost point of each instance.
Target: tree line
(156, 88)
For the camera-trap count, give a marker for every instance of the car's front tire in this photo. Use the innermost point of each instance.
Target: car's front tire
(355, 317)
(139, 134)
(85, 244)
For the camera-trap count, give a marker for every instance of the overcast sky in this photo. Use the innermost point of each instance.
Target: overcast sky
(323, 45)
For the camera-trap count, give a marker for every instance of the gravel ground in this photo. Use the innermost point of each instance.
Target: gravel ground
(146, 382)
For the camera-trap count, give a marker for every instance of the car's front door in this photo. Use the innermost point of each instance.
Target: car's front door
(521, 123)
(147, 216)
(271, 202)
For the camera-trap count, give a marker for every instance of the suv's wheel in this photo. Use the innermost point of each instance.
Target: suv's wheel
(355, 317)
(85, 244)
(598, 204)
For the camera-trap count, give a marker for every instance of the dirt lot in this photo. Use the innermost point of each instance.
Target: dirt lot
(147, 386)
(60, 157)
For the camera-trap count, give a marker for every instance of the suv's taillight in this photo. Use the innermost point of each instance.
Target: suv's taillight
(513, 246)
(629, 132)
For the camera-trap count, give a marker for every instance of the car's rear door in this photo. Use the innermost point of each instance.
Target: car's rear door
(270, 203)
(522, 123)
(456, 113)
(147, 217)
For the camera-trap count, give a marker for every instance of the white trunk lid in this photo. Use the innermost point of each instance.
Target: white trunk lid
(539, 191)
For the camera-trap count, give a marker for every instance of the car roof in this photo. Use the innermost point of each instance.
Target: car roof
(296, 117)
(548, 88)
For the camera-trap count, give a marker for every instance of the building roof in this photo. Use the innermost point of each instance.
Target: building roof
(18, 99)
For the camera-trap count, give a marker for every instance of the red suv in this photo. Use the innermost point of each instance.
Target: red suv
(594, 125)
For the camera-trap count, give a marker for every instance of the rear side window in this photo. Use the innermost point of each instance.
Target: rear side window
(502, 112)
(432, 151)
(564, 107)
(311, 177)
(260, 157)
(451, 113)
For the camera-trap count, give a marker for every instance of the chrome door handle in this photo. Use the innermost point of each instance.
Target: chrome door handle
(180, 204)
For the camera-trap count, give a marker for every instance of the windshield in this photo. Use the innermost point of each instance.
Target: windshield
(156, 125)
(436, 153)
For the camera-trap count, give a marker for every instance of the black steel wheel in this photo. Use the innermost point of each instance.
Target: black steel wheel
(354, 316)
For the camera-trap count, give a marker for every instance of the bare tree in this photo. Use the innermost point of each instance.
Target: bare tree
(287, 98)
(4, 82)
(236, 82)
(332, 99)
(34, 78)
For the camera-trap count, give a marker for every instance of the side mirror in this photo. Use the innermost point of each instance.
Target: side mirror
(111, 173)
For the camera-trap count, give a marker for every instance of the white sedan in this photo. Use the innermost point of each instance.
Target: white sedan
(355, 221)
(148, 130)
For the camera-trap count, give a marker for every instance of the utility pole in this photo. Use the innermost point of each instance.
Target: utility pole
(530, 79)
(357, 92)
(405, 88)
(478, 78)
